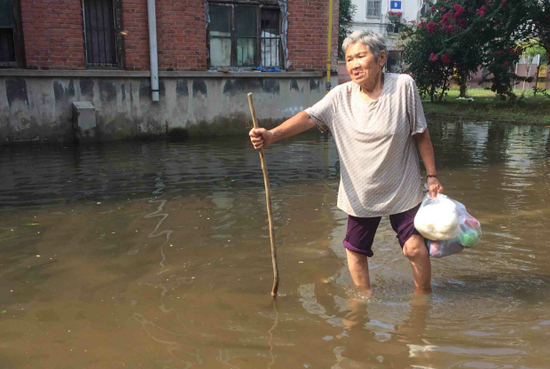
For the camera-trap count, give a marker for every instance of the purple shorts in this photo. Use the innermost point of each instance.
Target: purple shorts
(361, 231)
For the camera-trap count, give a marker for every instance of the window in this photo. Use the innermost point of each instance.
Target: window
(102, 36)
(11, 42)
(244, 36)
(373, 8)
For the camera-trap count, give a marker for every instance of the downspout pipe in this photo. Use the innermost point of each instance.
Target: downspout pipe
(152, 18)
(329, 53)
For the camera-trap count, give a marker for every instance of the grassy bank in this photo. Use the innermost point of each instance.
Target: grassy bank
(487, 107)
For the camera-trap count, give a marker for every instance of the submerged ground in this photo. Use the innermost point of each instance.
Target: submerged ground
(157, 256)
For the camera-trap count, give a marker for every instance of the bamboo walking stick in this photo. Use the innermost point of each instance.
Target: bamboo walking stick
(268, 202)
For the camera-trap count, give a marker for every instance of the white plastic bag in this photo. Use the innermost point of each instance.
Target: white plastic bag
(439, 249)
(437, 219)
(469, 228)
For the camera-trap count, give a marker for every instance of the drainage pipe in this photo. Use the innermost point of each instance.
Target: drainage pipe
(329, 55)
(152, 17)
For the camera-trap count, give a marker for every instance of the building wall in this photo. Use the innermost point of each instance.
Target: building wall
(378, 24)
(181, 34)
(36, 103)
(307, 34)
(53, 34)
(38, 108)
(53, 31)
(521, 69)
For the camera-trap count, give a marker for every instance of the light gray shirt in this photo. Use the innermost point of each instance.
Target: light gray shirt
(379, 164)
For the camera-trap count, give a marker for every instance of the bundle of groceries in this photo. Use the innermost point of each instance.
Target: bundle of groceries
(446, 226)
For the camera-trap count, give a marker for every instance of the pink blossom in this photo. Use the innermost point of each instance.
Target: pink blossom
(431, 27)
(432, 57)
(459, 10)
(399, 14)
(445, 59)
(413, 22)
(391, 13)
(504, 64)
(432, 9)
(463, 23)
(450, 29)
(481, 11)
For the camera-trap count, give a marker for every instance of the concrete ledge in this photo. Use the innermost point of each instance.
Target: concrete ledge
(90, 73)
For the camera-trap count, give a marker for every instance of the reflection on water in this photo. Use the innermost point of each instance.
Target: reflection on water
(157, 256)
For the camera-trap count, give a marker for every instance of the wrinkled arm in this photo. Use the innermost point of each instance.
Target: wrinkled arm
(260, 137)
(425, 148)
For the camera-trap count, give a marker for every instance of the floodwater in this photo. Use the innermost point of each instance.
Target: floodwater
(157, 255)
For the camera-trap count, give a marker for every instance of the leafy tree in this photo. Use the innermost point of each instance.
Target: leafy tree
(538, 27)
(347, 10)
(531, 49)
(458, 37)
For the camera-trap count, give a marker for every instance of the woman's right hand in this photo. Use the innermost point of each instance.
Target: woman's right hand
(260, 138)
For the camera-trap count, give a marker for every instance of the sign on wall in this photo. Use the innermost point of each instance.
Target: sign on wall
(395, 4)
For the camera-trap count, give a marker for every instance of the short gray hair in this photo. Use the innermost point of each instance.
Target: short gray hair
(372, 40)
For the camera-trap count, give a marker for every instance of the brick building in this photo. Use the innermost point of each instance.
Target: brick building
(210, 53)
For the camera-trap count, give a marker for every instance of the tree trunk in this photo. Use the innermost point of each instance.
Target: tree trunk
(463, 90)
(462, 82)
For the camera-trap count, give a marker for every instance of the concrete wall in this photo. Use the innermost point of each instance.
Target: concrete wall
(37, 105)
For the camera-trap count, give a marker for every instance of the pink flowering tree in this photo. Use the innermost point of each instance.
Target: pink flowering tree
(458, 37)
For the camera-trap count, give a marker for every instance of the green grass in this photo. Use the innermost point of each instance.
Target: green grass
(487, 107)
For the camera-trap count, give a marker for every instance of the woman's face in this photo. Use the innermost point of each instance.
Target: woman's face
(362, 67)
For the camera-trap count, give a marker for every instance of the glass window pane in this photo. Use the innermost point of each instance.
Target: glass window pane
(7, 51)
(270, 21)
(246, 50)
(220, 52)
(6, 13)
(220, 19)
(245, 21)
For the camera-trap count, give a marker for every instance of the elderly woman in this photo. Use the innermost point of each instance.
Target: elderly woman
(376, 120)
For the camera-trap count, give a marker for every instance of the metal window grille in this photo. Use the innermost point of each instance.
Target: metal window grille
(100, 34)
(7, 45)
(270, 38)
(373, 8)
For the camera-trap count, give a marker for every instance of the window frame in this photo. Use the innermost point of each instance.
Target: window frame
(374, 8)
(259, 6)
(117, 35)
(18, 40)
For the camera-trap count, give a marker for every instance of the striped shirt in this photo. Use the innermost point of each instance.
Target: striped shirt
(379, 164)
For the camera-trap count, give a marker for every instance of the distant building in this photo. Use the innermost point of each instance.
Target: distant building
(374, 15)
(208, 54)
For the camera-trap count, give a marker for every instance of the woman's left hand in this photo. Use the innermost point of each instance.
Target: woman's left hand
(434, 187)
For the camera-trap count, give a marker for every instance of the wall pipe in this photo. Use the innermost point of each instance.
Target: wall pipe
(152, 18)
(329, 54)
